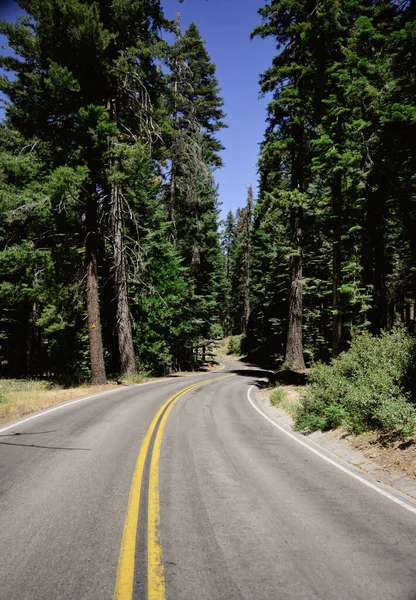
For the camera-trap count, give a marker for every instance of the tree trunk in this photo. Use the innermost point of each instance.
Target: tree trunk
(98, 375)
(172, 193)
(246, 289)
(375, 264)
(123, 321)
(246, 315)
(124, 333)
(247, 253)
(294, 347)
(336, 263)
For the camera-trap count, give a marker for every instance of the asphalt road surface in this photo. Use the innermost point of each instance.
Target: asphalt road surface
(148, 492)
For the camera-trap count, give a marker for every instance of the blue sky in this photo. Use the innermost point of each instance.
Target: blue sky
(226, 27)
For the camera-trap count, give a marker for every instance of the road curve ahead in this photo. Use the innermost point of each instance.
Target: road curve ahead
(181, 490)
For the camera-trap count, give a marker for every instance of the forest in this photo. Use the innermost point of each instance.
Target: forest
(113, 258)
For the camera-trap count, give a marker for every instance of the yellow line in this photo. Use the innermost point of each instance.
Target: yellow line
(125, 571)
(155, 571)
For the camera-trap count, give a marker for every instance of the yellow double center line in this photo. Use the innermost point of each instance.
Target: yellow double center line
(155, 572)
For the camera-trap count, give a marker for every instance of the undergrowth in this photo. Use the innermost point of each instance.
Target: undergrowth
(235, 345)
(277, 397)
(371, 386)
(140, 377)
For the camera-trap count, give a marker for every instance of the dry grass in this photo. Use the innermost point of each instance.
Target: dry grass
(141, 377)
(220, 347)
(286, 397)
(22, 397)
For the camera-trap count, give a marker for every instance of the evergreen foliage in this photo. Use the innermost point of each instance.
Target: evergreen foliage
(369, 387)
(236, 244)
(334, 226)
(110, 255)
(99, 272)
(195, 108)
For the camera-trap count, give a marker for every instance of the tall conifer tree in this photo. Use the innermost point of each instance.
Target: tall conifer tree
(289, 115)
(73, 53)
(196, 113)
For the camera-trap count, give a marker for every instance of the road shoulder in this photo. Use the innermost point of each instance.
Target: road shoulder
(332, 442)
(26, 398)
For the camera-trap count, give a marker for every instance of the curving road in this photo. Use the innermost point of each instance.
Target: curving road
(147, 492)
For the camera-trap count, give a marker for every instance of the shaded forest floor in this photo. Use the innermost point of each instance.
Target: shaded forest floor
(372, 451)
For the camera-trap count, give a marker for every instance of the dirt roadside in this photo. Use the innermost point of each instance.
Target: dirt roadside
(19, 398)
(390, 462)
(24, 398)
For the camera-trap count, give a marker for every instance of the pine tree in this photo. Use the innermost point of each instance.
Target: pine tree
(246, 280)
(63, 98)
(227, 238)
(42, 326)
(54, 100)
(134, 85)
(354, 203)
(196, 115)
(239, 266)
(289, 116)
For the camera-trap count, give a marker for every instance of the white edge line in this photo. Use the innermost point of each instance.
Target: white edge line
(410, 508)
(66, 404)
(93, 396)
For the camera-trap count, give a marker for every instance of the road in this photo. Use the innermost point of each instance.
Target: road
(147, 492)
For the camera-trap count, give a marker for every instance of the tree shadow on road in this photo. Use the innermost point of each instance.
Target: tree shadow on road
(269, 378)
(27, 433)
(43, 447)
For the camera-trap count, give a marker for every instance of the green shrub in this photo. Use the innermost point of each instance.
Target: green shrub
(369, 387)
(234, 345)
